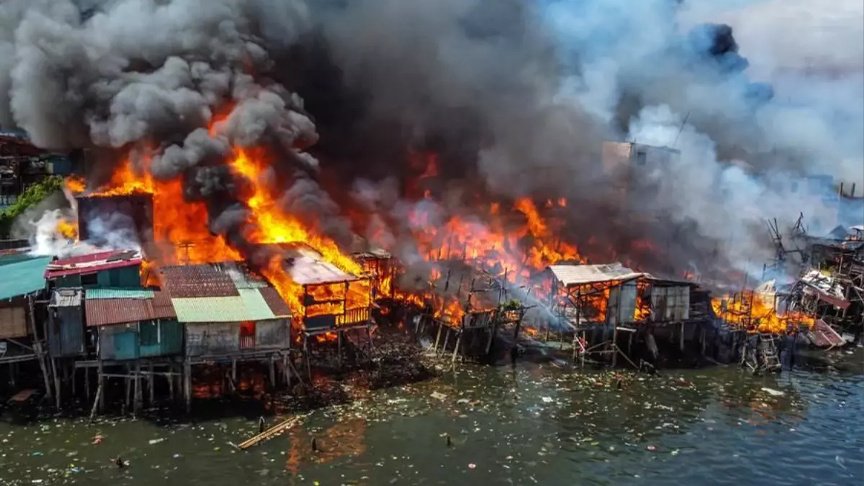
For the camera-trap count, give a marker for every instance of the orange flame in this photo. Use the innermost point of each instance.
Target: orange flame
(68, 229)
(754, 312)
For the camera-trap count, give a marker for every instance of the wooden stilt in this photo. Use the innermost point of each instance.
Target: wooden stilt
(614, 345)
(437, 338)
(187, 384)
(87, 383)
(138, 391)
(583, 353)
(96, 402)
(57, 390)
(272, 373)
(446, 338)
(681, 338)
(100, 379)
(73, 381)
(150, 387)
(307, 357)
(371, 343)
(456, 349)
(171, 383)
(37, 347)
(339, 347)
(286, 369)
(234, 370)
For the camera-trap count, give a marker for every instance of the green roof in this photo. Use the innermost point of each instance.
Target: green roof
(117, 293)
(21, 276)
(248, 306)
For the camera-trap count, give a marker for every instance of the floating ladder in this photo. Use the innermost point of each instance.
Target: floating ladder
(770, 358)
(270, 433)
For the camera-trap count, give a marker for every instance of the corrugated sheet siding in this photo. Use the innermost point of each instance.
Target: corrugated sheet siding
(272, 334)
(119, 277)
(622, 304)
(66, 331)
(118, 342)
(212, 338)
(168, 338)
(670, 303)
(119, 293)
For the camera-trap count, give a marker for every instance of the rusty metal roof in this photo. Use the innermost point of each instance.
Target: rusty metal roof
(103, 312)
(205, 280)
(92, 263)
(274, 301)
(588, 274)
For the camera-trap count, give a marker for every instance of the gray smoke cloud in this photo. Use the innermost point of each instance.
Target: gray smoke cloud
(516, 97)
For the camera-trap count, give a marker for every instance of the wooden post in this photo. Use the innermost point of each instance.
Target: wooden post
(437, 337)
(171, 382)
(681, 338)
(614, 344)
(339, 347)
(306, 355)
(446, 338)
(187, 384)
(371, 343)
(150, 383)
(234, 370)
(456, 349)
(585, 351)
(272, 369)
(73, 380)
(37, 346)
(100, 388)
(57, 389)
(96, 402)
(286, 369)
(87, 383)
(139, 395)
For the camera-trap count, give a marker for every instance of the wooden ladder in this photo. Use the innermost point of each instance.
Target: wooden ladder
(769, 351)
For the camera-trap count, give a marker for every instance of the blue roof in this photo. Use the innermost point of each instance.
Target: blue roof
(22, 275)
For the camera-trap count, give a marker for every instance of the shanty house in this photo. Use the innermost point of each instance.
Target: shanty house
(594, 294)
(226, 311)
(66, 323)
(21, 281)
(69, 277)
(331, 298)
(102, 269)
(133, 323)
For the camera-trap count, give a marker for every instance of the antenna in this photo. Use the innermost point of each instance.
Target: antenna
(680, 129)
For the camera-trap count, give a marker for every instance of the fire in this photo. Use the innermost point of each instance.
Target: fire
(75, 184)
(754, 312)
(67, 228)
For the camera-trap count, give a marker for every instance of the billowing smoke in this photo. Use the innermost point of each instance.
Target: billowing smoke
(515, 97)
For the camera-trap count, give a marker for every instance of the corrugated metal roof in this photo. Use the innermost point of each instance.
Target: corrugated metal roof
(107, 311)
(66, 298)
(117, 293)
(92, 263)
(274, 301)
(22, 276)
(205, 280)
(586, 274)
(249, 305)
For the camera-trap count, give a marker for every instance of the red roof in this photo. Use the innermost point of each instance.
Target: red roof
(92, 263)
(103, 312)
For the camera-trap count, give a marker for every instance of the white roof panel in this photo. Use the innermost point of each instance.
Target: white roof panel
(587, 274)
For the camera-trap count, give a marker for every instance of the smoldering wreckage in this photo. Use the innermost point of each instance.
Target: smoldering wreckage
(206, 252)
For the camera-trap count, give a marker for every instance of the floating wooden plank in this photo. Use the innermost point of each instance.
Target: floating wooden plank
(270, 433)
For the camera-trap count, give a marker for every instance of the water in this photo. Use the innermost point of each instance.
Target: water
(534, 425)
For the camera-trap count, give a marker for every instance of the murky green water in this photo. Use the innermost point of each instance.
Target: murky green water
(536, 424)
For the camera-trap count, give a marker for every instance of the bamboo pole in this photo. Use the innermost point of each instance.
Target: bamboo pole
(270, 433)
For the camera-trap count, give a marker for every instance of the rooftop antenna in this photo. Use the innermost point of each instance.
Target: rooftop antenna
(680, 129)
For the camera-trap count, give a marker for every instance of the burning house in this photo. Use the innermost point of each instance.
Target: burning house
(229, 315)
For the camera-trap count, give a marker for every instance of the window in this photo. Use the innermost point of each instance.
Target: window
(88, 279)
(247, 335)
(641, 157)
